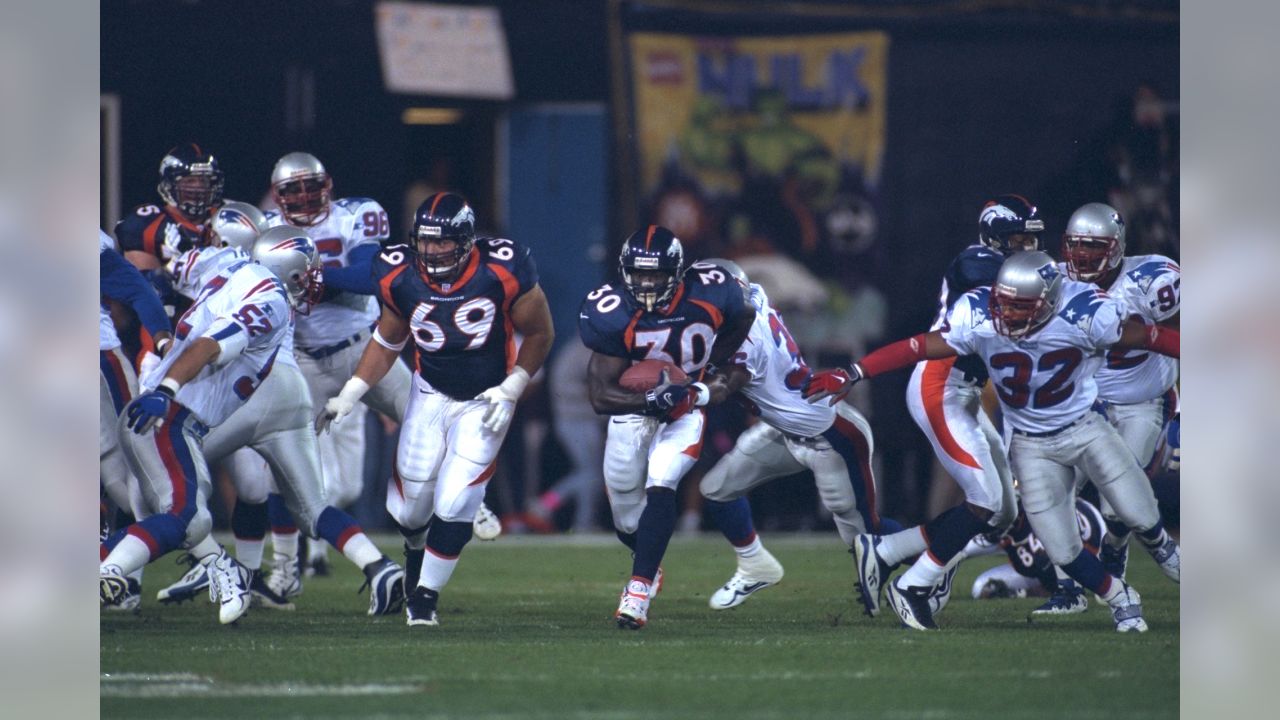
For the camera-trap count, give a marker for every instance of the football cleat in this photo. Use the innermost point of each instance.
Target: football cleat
(285, 579)
(753, 575)
(633, 607)
(264, 596)
(1068, 599)
(912, 606)
(195, 579)
(872, 572)
(112, 585)
(1115, 560)
(412, 568)
(1126, 610)
(229, 587)
(385, 581)
(486, 525)
(421, 606)
(942, 591)
(131, 601)
(1169, 557)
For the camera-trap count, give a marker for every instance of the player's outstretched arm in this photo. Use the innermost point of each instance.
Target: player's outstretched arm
(724, 382)
(531, 317)
(1136, 336)
(389, 338)
(837, 383)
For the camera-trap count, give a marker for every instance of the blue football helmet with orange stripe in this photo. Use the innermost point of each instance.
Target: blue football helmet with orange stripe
(191, 181)
(1010, 223)
(442, 218)
(652, 265)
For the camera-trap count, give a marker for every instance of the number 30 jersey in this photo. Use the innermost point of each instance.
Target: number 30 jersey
(463, 330)
(245, 310)
(1044, 381)
(681, 332)
(351, 222)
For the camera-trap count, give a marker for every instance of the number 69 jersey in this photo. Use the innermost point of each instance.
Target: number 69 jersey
(463, 330)
(245, 310)
(681, 332)
(1044, 381)
(1149, 286)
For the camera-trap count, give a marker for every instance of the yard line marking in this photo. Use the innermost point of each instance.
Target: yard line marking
(184, 685)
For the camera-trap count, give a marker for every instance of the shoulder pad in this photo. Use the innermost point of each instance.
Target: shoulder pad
(974, 266)
(1148, 273)
(352, 204)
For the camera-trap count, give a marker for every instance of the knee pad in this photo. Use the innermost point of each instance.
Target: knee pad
(626, 509)
(460, 506)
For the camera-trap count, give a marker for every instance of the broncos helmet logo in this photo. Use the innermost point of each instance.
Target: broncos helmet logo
(997, 211)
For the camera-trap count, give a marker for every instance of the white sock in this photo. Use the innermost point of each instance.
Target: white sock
(317, 549)
(130, 555)
(249, 552)
(901, 545)
(923, 573)
(136, 576)
(206, 551)
(1114, 592)
(285, 544)
(747, 551)
(360, 550)
(436, 570)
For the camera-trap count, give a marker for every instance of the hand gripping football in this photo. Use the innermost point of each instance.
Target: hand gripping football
(644, 375)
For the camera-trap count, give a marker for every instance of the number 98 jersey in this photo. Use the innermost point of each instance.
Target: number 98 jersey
(1150, 286)
(681, 332)
(463, 332)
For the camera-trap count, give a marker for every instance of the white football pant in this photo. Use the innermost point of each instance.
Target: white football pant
(640, 453)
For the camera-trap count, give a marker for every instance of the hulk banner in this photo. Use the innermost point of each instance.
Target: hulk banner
(750, 145)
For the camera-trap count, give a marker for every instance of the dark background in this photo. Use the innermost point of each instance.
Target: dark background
(983, 98)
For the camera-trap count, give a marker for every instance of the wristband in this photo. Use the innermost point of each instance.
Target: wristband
(377, 337)
(704, 394)
(169, 387)
(353, 390)
(161, 344)
(515, 382)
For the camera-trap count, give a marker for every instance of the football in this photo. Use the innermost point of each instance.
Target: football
(644, 375)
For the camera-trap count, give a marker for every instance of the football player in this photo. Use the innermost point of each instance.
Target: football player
(944, 398)
(654, 438)
(461, 299)
(1042, 338)
(1137, 387)
(120, 281)
(835, 443)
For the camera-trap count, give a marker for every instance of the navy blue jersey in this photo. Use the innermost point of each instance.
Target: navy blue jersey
(975, 266)
(682, 332)
(463, 330)
(158, 230)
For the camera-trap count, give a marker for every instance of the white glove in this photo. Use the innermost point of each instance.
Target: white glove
(148, 363)
(342, 404)
(502, 400)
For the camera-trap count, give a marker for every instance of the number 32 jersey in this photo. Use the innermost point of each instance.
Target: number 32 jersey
(463, 330)
(1044, 381)
(681, 333)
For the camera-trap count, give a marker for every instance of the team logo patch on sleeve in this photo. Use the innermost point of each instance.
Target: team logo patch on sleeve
(1080, 309)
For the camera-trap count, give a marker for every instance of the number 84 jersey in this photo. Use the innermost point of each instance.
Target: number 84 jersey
(681, 332)
(463, 331)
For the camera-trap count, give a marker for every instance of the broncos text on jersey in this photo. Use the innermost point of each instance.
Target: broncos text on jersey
(682, 332)
(463, 331)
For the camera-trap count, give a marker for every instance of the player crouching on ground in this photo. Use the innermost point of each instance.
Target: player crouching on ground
(462, 299)
(654, 438)
(1042, 339)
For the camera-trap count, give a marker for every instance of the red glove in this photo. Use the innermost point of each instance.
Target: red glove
(834, 384)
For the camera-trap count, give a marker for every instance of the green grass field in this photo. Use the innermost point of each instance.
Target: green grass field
(526, 631)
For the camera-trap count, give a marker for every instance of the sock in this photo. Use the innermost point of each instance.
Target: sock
(1087, 570)
(751, 550)
(1117, 533)
(924, 572)
(445, 541)
(317, 551)
(949, 532)
(657, 523)
(901, 545)
(284, 533)
(734, 520)
(206, 551)
(340, 530)
(249, 524)
(414, 538)
(1154, 537)
(129, 553)
(158, 534)
(628, 539)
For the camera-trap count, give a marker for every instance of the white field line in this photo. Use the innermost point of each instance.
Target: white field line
(184, 685)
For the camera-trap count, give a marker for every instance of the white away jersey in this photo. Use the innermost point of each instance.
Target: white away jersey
(1044, 381)
(1149, 286)
(352, 222)
(245, 309)
(107, 338)
(778, 373)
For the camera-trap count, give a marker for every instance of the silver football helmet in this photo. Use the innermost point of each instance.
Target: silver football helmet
(237, 224)
(1025, 294)
(302, 188)
(1093, 244)
(292, 256)
(734, 269)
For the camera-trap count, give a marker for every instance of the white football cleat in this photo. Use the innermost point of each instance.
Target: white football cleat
(753, 575)
(486, 525)
(942, 591)
(112, 585)
(1169, 557)
(229, 587)
(285, 579)
(633, 608)
(873, 573)
(1126, 610)
(195, 579)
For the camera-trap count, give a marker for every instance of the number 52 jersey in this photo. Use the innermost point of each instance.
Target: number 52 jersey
(463, 331)
(681, 333)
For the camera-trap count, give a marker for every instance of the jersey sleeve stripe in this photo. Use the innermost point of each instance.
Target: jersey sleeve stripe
(931, 388)
(510, 286)
(717, 319)
(149, 235)
(226, 332)
(384, 289)
(629, 334)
